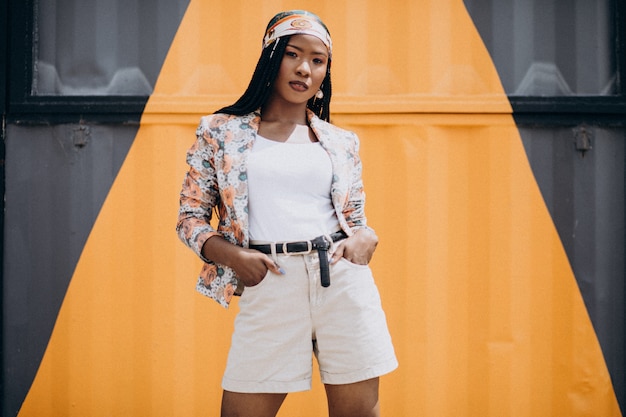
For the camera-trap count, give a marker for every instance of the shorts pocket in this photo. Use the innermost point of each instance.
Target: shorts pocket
(352, 264)
(262, 283)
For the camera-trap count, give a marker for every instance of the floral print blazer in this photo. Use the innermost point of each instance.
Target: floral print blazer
(217, 182)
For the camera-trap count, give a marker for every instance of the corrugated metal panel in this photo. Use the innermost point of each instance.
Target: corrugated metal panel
(57, 178)
(580, 172)
(481, 300)
(484, 310)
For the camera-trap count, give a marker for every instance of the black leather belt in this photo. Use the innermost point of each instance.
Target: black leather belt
(320, 244)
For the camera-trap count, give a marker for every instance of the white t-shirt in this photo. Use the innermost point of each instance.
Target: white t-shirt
(289, 189)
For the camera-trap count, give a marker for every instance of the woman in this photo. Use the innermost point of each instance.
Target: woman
(292, 237)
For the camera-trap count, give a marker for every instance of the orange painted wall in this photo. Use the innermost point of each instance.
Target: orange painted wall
(482, 304)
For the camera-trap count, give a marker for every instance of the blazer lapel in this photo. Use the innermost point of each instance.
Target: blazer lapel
(340, 182)
(238, 149)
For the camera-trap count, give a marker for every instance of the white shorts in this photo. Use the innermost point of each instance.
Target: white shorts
(286, 319)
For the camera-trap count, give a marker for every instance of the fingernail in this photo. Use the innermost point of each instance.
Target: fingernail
(281, 270)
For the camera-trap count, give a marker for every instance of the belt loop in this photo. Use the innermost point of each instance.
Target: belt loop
(273, 250)
(331, 247)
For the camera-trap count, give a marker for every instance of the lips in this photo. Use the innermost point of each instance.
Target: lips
(299, 86)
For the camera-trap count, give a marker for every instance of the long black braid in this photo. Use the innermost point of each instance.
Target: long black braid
(262, 82)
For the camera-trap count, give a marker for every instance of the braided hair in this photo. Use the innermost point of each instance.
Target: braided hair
(262, 83)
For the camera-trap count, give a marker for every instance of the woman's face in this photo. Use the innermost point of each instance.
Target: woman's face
(302, 69)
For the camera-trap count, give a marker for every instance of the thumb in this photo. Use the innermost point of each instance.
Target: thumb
(337, 254)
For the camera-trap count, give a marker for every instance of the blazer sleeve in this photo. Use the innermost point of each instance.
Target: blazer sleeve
(199, 195)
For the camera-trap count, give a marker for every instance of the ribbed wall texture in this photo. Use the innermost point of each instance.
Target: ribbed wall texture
(482, 302)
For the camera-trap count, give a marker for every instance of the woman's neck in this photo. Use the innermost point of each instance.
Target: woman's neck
(288, 113)
(279, 122)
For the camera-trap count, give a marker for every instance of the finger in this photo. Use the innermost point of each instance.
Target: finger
(337, 254)
(273, 266)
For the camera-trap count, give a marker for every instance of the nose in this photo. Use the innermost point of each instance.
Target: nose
(303, 69)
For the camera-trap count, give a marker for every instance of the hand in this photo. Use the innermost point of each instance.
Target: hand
(251, 266)
(358, 248)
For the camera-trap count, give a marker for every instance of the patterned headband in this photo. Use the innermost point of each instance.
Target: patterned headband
(297, 22)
